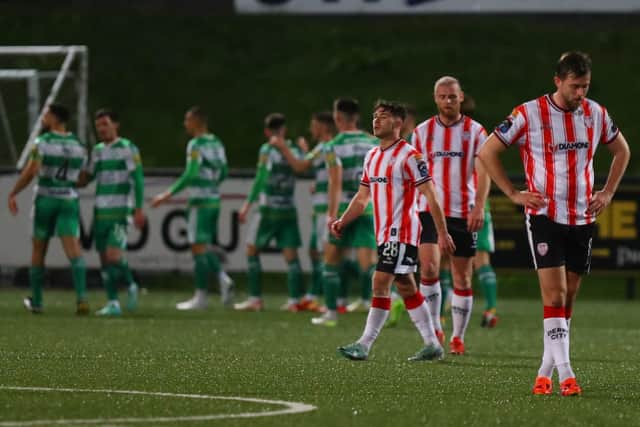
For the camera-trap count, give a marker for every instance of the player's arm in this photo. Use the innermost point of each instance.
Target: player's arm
(191, 172)
(259, 182)
(297, 164)
(26, 176)
(356, 207)
(334, 184)
(619, 149)
(476, 216)
(445, 242)
(489, 155)
(138, 190)
(223, 165)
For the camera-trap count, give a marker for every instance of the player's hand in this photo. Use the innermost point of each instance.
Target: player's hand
(529, 199)
(475, 219)
(243, 212)
(599, 202)
(139, 219)
(13, 204)
(302, 143)
(160, 199)
(277, 141)
(445, 243)
(336, 227)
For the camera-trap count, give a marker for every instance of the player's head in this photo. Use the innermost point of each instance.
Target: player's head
(388, 118)
(322, 125)
(346, 112)
(468, 106)
(275, 124)
(448, 96)
(195, 120)
(573, 77)
(56, 116)
(107, 124)
(409, 123)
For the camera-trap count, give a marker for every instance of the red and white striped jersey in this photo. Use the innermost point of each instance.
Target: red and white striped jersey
(451, 152)
(557, 148)
(392, 175)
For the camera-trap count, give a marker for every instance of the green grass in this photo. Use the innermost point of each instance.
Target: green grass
(275, 355)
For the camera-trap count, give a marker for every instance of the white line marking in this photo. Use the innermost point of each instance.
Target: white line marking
(290, 408)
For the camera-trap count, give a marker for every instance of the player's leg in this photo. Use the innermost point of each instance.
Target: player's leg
(111, 240)
(316, 250)
(209, 218)
(485, 273)
(331, 279)
(199, 237)
(429, 256)
(362, 237)
(288, 239)
(461, 302)
(349, 270)
(68, 228)
(258, 235)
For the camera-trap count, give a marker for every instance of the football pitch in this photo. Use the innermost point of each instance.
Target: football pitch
(163, 367)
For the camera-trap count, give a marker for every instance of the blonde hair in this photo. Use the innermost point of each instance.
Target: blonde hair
(446, 80)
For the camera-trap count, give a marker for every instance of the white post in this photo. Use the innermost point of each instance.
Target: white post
(33, 99)
(82, 87)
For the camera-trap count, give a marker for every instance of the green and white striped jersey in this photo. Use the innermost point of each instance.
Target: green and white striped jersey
(319, 198)
(113, 166)
(208, 152)
(62, 157)
(348, 149)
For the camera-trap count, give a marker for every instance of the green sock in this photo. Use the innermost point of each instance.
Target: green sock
(254, 274)
(331, 276)
(316, 277)
(126, 272)
(489, 285)
(346, 270)
(201, 272)
(214, 262)
(36, 280)
(446, 283)
(366, 284)
(79, 273)
(294, 279)
(112, 272)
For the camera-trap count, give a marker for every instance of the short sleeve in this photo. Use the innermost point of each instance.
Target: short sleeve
(511, 130)
(415, 169)
(609, 130)
(193, 152)
(330, 156)
(481, 137)
(35, 153)
(315, 153)
(364, 180)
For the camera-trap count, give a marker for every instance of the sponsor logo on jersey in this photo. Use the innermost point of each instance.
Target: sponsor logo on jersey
(569, 146)
(588, 122)
(422, 168)
(436, 154)
(378, 180)
(505, 125)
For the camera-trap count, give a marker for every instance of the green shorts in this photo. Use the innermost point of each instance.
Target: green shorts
(486, 241)
(319, 232)
(52, 216)
(262, 230)
(202, 224)
(359, 234)
(110, 234)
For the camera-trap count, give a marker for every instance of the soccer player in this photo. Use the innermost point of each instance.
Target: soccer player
(206, 169)
(391, 174)
(117, 168)
(322, 130)
(450, 141)
(486, 246)
(274, 186)
(558, 135)
(409, 123)
(56, 159)
(344, 155)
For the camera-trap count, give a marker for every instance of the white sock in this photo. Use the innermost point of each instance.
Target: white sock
(376, 319)
(433, 297)
(546, 367)
(461, 305)
(557, 333)
(421, 318)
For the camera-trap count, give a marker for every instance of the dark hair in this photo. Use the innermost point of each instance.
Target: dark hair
(106, 112)
(395, 108)
(410, 109)
(468, 106)
(324, 117)
(347, 106)
(275, 121)
(197, 112)
(61, 112)
(574, 62)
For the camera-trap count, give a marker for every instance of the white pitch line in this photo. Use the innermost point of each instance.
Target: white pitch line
(290, 408)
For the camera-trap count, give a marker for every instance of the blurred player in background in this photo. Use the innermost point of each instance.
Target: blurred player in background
(558, 135)
(344, 156)
(205, 170)
(450, 141)
(392, 172)
(486, 246)
(117, 168)
(277, 217)
(322, 130)
(56, 159)
(409, 123)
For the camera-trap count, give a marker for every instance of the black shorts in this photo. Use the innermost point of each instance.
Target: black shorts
(397, 258)
(555, 245)
(465, 240)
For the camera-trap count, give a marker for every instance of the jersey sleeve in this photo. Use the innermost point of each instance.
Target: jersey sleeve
(331, 158)
(609, 130)
(315, 153)
(364, 180)
(91, 164)
(415, 169)
(35, 153)
(512, 129)
(481, 137)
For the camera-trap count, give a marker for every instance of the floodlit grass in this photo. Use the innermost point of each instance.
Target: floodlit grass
(275, 355)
